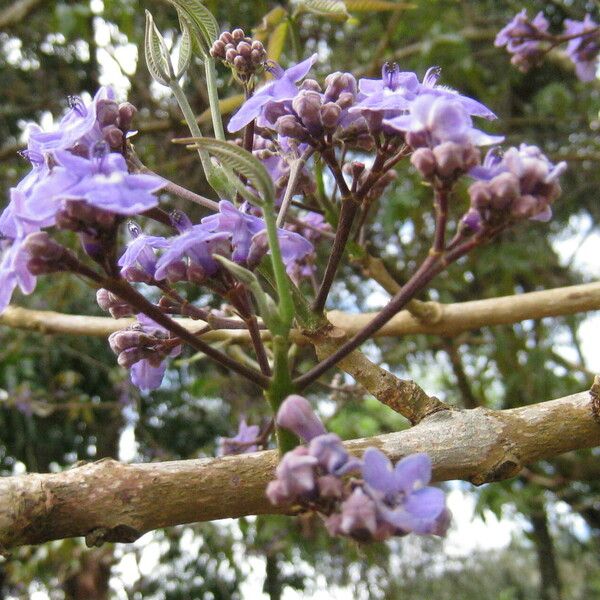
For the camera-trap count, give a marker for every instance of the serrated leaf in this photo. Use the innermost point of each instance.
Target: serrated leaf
(239, 160)
(226, 106)
(185, 49)
(204, 27)
(277, 41)
(376, 5)
(158, 64)
(334, 9)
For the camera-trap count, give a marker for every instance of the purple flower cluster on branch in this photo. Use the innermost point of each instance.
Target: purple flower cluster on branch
(368, 499)
(79, 181)
(530, 40)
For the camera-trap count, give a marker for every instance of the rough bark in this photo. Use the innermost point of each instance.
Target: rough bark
(110, 501)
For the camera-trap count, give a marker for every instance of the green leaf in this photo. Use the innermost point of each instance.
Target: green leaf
(204, 27)
(334, 9)
(185, 49)
(376, 5)
(277, 41)
(239, 160)
(157, 59)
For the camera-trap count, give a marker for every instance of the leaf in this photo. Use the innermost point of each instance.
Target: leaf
(204, 26)
(185, 49)
(158, 64)
(277, 41)
(226, 106)
(269, 22)
(376, 5)
(334, 9)
(239, 160)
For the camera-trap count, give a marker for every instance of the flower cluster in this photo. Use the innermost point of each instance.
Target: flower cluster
(244, 442)
(79, 181)
(380, 501)
(529, 40)
(521, 184)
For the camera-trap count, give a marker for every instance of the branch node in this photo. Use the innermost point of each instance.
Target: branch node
(121, 533)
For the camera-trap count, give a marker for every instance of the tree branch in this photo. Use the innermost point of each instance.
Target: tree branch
(110, 501)
(454, 318)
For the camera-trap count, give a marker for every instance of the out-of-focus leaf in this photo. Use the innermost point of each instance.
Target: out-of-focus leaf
(269, 22)
(227, 106)
(376, 5)
(332, 9)
(277, 40)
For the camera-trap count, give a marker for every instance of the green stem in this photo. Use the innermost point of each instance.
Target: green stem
(280, 388)
(213, 97)
(286, 304)
(190, 119)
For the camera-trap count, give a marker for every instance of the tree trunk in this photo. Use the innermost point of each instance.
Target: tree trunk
(550, 585)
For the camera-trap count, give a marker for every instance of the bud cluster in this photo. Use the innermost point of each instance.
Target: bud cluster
(446, 162)
(113, 304)
(135, 344)
(521, 185)
(312, 113)
(384, 502)
(241, 53)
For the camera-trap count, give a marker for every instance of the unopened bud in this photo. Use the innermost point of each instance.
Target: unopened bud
(41, 245)
(237, 34)
(289, 126)
(330, 115)
(126, 113)
(196, 273)
(113, 136)
(107, 112)
(423, 160)
(449, 159)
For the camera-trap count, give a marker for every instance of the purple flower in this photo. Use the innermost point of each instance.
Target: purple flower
(138, 262)
(194, 248)
(437, 119)
(297, 415)
(241, 443)
(583, 50)
(358, 517)
(332, 456)
(241, 226)
(522, 39)
(79, 127)
(102, 180)
(281, 89)
(294, 248)
(295, 477)
(13, 270)
(394, 93)
(401, 493)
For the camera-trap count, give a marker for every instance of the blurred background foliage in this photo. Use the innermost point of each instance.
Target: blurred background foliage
(63, 399)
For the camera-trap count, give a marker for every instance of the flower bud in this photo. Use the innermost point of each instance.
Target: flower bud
(113, 136)
(307, 105)
(449, 159)
(330, 115)
(196, 273)
(237, 34)
(41, 245)
(423, 160)
(297, 415)
(310, 84)
(289, 126)
(107, 112)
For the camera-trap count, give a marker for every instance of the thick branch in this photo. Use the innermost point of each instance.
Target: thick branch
(109, 501)
(454, 318)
